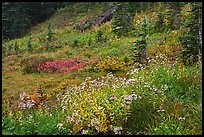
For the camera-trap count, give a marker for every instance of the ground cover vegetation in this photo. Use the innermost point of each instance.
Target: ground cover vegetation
(138, 73)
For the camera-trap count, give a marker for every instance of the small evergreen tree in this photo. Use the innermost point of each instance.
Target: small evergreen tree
(139, 46)
(159, 26)
(29, 46)
(99, 36)
(16, 48)
(122, 18)
(49, 35)
(160, 22)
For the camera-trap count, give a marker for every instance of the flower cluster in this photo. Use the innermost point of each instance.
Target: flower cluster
(30, 101)
(61, 66)
(27, 102)
(118, 130)
(92, 106)
(109, 81)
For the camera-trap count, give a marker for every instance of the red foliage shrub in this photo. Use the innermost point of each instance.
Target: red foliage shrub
(61, 66)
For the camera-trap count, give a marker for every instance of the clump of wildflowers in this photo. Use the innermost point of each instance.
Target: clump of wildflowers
(118, 130)
(91, 107)
(26, 101)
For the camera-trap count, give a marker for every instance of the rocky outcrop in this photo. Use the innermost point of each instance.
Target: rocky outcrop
(106, 16)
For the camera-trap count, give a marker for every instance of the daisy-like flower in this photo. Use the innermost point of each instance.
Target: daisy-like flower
(113, 97)
(182, 118)
(84, 132)
(59, 125)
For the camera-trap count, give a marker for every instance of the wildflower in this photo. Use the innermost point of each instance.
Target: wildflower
(33, 101)
(182, 118)
(130, 81)
(134, 97)
(128, 97)
(99, 108)
(84, 132)
(30, 104)
(111, 126)
(69, 119)
(63, 108)
(22, 105)
(165, 87)
(114, 86)
(97, 129)
(78, 121)
(23, 95)
(133, 41)
(161, 110)
(93, 122)
(113, 97)
(126, 106)
(59, 125)
(128, 102)
(117, 130)
(139, 97)
(11, 114)
(30, 116)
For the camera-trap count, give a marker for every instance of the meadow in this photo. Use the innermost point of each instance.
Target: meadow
(88, 83)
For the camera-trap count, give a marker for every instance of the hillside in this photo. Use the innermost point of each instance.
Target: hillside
(59, 79)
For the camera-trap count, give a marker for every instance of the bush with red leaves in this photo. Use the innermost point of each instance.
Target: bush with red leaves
(61, 66)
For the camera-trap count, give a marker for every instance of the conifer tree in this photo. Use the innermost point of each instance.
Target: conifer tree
(122, 18)
(192, 38)
(29, 46)
(139, 46)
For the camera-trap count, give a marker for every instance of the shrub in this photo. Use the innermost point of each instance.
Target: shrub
(172, 52)
(61, 66)
(75, 43)
(77, 26)
(99, 36)
(112, 64)
(30, 64)
(16, 48)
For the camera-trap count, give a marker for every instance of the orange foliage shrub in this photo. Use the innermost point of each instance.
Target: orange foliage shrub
(170, 51)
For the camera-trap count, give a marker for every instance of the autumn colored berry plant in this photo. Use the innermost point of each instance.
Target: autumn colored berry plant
(61, 66)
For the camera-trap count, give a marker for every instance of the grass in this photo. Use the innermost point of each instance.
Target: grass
(169, 94)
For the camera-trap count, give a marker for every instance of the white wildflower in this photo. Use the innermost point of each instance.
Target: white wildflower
(118, 130)
(182, 118)
(84, 132)
(59, 125)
